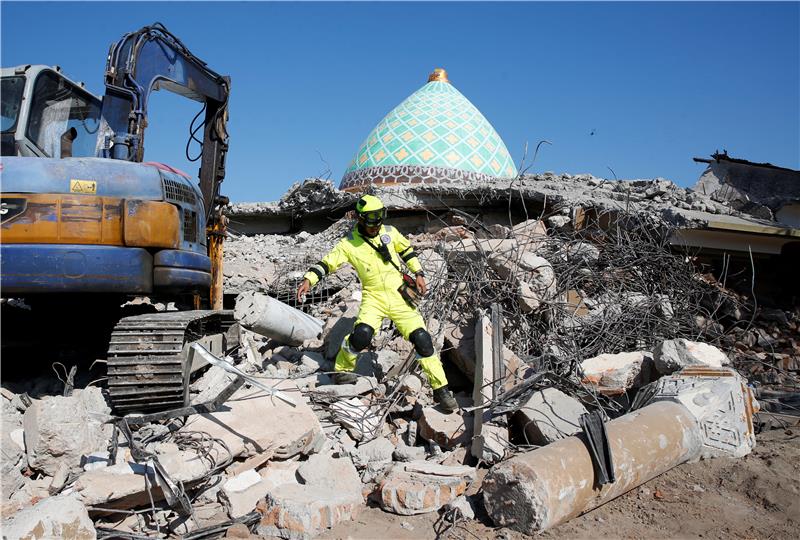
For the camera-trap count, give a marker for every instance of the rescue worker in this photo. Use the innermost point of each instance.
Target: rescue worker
(375, 251)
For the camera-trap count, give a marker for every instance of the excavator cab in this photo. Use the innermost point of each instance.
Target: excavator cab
(45, 114)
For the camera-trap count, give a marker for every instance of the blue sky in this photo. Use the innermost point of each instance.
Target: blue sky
(638, 87)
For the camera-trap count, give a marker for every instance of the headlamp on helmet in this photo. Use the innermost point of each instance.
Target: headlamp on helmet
(370, 210)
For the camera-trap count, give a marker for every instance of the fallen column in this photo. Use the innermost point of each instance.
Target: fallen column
(693, 414)
(272, 318)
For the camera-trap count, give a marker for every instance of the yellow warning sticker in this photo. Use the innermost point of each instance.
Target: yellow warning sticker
(83, 186)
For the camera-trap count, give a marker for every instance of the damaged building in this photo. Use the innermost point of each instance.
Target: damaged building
(598, 334)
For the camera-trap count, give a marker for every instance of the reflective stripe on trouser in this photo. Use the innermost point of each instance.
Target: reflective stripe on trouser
(373, 309)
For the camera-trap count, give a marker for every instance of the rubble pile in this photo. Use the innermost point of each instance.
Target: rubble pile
(580, 348)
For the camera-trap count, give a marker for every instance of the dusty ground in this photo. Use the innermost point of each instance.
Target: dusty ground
(754, 497)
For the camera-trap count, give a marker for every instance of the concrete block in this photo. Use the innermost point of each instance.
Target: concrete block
(614, 374)
(531, 235)
(252, 422)
(403, 452)
(420, 487)
(301, 512)
(447, 430)
(243, 492)
(277, 473)
(377, 450)
(462, 504)
(328, 472)
(549, 415)
(675, 354)
(55, 517)
(62, 429)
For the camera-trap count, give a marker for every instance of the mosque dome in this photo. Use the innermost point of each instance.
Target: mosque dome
(435, 136)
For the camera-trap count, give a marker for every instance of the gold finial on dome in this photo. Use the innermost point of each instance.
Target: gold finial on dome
(439, 74)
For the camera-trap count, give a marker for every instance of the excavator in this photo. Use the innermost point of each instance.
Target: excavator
(87, 222)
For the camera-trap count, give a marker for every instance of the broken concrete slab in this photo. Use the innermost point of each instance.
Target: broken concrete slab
(123, 485)
(328, 472)
(62, 429)
(420, 487)
(675, 354)
(251, 422)
(447, 430)
(62, 516)
(300, 512)
(243, 492)
(614, 374)
(547, 416)
(211, 383)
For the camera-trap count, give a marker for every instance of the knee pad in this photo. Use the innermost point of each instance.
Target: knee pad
(361, 337)
(422, 342)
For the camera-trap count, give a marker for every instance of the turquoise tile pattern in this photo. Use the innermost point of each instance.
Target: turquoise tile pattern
(435, 135)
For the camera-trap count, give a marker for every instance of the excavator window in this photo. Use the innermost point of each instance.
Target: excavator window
(11, 90)
(57, 107)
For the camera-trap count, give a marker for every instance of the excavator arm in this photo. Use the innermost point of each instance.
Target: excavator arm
(152, 59)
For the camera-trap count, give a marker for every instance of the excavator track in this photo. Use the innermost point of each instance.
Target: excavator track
(148, 367)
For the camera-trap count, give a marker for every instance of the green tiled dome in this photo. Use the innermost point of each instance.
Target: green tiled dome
(435, 135)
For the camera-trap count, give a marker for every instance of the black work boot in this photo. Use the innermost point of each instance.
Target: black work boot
(444, 397)
(345, 377)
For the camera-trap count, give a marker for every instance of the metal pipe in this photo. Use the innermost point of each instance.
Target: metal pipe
(540, 489)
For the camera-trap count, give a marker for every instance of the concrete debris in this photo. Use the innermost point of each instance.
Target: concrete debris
(420, 487)
(447, 430)
(300, 512)
(462, 505)
(123, 485)
(55, 517)
(615, 374)
(549, 415)
(326, 471)
(675, 354)
(62, 429)
(538, 322)
(403, 452)
(252, 422)
(243, 492)
(277, 473)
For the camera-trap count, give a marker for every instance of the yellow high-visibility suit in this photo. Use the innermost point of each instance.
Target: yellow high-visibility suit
(380, 281)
